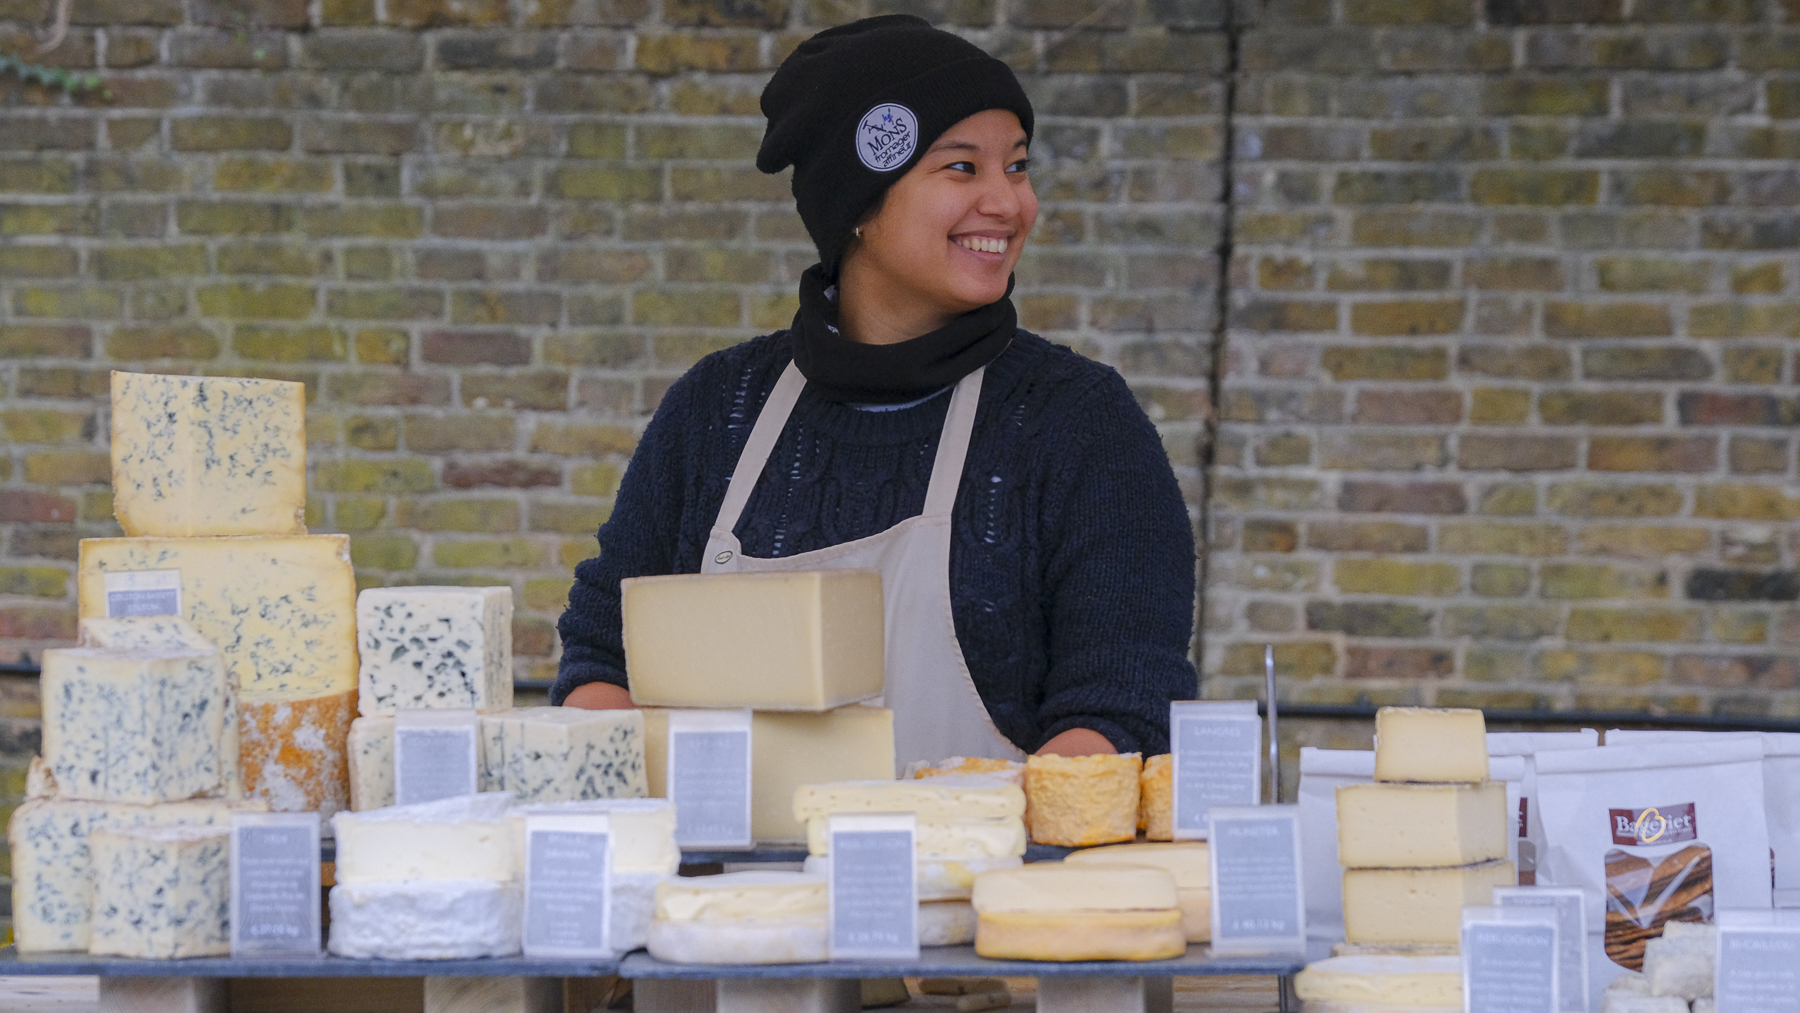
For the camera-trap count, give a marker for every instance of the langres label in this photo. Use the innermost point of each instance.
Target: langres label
(1667, 824)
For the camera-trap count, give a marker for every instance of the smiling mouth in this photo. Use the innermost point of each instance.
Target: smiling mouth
(982, 244)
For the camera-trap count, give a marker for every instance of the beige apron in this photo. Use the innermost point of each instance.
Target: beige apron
(937, 711)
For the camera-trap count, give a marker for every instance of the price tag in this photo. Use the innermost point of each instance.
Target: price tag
(873, 887)
(435, 755)
(142, 593)
(1257, 903)
(275, 884)
(1217, 761)
(568, 886)
(1758, 962)
(1570, 905)
(709, 778)
(1510, 958)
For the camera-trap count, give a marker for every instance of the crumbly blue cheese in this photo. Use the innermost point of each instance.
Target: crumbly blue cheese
(161, 893)
(563, 754)
(134, 726)
(371, 763)
(195, 456)
(434, 648)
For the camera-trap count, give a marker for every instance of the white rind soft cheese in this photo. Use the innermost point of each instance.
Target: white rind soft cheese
(632, 909)
(427, 920)
(956, 839)
(161, 893)
(563, 754)
(469, 837)
(1061, 887)
(1382, 981)
(642, 829)
(946, 923)
(1416, 826)
(799, 940)
(736, 896)
(434, 648)
(135, 726)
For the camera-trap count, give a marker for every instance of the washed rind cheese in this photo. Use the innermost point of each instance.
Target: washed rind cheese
(563, 754)
(282, 610)
(796, 641)
(1012, 769)
(942, 839)
(1156, 798)
(435, 648)
(370, 751)
(161, 893)
(427, 919)
(1080, 935)
(135, 726)
(292, 752)
(1383, 980)
(469, 837)
(1079, 801)
(1388, 826)
(1417, 905)
(1430, 745)
(203, 456)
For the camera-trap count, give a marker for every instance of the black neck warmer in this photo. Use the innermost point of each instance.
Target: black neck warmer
(849, 371)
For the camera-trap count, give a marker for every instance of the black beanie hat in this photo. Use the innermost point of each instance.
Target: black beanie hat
(855, 106)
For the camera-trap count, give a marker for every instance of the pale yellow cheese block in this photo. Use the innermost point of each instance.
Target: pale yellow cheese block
(1387, 826)
(1417, 905)
(949, 796)
(1080, 935)
(738, 896)
(1156, 799)
(1060, 886)
(1383, 980)
(943, 838)
(1190, 862)
(787, 751)
(1077, 801)
(292, 752)
(1430, 745)
(798, 641)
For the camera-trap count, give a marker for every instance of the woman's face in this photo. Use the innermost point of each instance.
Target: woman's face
(949, 232)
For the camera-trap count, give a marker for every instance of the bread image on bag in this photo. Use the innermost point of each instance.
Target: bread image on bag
(1648, 887)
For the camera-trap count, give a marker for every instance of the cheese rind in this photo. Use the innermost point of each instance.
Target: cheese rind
(1387, 826)
(469, 837)
(798, 940)
(1077, 801)
(952, 796)
(1383, 980)
(434, 648)
(943, 838)
(938, 878)
(199, 456)
(1080, 935)
(1156, 798)
(946, 923)
(161, 893)
(801, 640)
(1060, 886)
(736, 896)
(1430, 745)
(292, 752)
(643, 831)
(1190, 862)
(1417, 905)
(563, 754)
(134, 726)
(1012, 769)
(427, 920)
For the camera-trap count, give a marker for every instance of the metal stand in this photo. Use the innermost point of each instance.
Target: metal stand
(790, 995)
(1092, 995)
(1159, 995)
(164, 995)
(674, 995)
(1284, 987)
(493, 995)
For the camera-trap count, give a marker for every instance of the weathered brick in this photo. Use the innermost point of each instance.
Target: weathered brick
(484, 516)
(1501, 622)
(1271, 536)
(1590, 580)
(1709, 584)
(1382, 452)
(1358, 496)
(1758, 455)
(1480, 452)
(1639, 625)
(1490, 539)
(1642, 542)
(1499, 580)
(1368, 619)
(1740, 501)
(1601, 668)
(1498, 406)
(1653, 453)
(1597, 499)
(1384, 576)
(1381, 362)
(1654, 362)
(1536, 362)
(401, 476)
(1600, 408)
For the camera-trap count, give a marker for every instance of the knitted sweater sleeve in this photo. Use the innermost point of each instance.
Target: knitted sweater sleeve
(1118, 579)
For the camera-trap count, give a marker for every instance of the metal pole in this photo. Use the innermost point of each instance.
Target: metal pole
(1274, 734)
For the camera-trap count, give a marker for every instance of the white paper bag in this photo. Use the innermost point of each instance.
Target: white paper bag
(1527, 745)
(1322, 772)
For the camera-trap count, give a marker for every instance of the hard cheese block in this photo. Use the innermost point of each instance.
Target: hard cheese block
(938, 878)
(1429, 745)
(787, 751)
(1156, 798)
(800, 641)
(954, 796)
(135, 726)
(1383, 981)
(469, 837)
(1059, 911)
(427, 919)
(161, 893)
(281, 610)
(1388, 826)
(159, 633)
(642, 829)
(1189, 862)
(741, 918)
(194, 456)
(943, 838)
(53, 890)
(370, 749)
(435, 648)
(1078, 801)
(1417, 905)
(563, 754)
(292, 752)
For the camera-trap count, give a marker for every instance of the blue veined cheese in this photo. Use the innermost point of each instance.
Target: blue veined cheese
(371, 749)
(52, 891)
(161, 893)
(134, 726)
(198, 456)
(282, 610)
(563, 754)
(435, 648)
(439, 919)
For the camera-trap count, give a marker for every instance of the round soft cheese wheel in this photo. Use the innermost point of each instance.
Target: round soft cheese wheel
(1060, 886)
(1080, 935)
(742, 941)
(740, 895)
(1387, 980)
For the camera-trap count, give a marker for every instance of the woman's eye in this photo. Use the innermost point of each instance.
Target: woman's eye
(1022, 165)
(962, 166)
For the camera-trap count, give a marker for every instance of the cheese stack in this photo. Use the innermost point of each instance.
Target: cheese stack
(1087, 911)
(967, 824)
(1429, 836)
(434, 881)
(1190, 862)
(741, 918)
(644, 854)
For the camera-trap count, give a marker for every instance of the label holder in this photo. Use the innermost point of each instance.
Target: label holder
(709, 777)
(1259, 906)
(568, 904)
(1217, 747)
(873, 886)
(275, 885)
(1570, 905)
(1510, 958)
(132, 593)
(1756, 961)
(436, 755)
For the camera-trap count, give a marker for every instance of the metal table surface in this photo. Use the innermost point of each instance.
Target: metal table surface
(12, 962)
(962, 962)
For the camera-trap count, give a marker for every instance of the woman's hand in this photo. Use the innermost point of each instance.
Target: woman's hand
(1074, 742)
(602, 696)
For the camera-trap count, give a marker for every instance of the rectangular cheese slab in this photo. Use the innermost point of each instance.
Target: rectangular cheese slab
(1388, 826)
(469, 837)
(135, 726)
(292, 752)
(198, 456)
(800, 641)
(1430, 745)
(162, 893)
(643, 831)
(282, 610)
(1190, 862)
(952, 796)
(1417, 905)
(789, 750)
(1061, 886)
(737, 896)
(53, 890)
(943, 838)
(563, 754)
(435, 648)
(1078, 801)
(1383, 981)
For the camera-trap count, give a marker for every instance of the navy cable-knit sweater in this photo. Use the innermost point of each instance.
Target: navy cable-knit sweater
(1072, 558)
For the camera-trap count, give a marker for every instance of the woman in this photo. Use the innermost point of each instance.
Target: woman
(1036, 555)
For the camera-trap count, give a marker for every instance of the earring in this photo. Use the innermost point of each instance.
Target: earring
(857, 232)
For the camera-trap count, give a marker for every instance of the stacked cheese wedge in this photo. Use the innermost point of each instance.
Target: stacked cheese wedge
(1078, 911)
(799, 649)
(967, 824)
(209, 485)
(1190, 862)
(122, 848)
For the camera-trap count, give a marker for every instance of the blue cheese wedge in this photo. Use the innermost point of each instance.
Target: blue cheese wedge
(162, 893)
(434, 648)
(135, 726)
(562, 754)
(371, 749)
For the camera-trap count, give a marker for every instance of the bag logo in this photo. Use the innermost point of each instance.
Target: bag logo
(1653, 825)
(887, 136)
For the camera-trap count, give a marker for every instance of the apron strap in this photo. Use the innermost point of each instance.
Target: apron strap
(953, 446)
(769, 423)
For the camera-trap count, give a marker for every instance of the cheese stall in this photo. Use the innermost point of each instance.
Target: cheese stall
(743, 841)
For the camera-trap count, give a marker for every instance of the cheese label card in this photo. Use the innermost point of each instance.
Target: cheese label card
(1510, 959)
(1570, 905)
(275, 884)
(142, 593)
(568, 886)
(874, 889)
(709, 778)
(1758, 962)
(435, 755)
(1218, 760)
(1257, 904)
